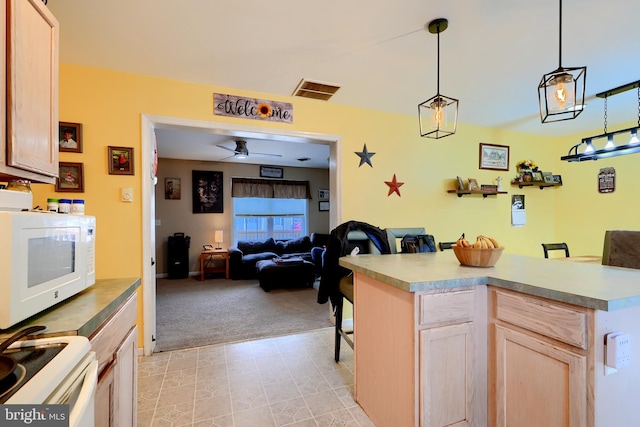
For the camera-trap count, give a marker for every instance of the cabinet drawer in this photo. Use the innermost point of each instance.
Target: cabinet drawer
(447, 308)
(109, 336)
(545, 317)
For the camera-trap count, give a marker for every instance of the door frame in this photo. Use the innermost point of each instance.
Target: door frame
(149, 124)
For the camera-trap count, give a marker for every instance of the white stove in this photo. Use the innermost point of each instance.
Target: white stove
(60, 370)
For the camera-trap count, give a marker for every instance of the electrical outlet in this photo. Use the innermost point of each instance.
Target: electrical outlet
(618, 354)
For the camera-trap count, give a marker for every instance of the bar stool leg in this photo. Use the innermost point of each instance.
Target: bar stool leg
(338, 327)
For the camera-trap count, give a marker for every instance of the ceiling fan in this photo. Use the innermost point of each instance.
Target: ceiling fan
(242, 152)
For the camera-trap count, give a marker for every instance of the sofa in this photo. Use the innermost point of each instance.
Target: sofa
(244, 256)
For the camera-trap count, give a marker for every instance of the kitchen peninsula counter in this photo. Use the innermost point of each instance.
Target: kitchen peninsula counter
(83, 313)
(586, 285)
(438, 344)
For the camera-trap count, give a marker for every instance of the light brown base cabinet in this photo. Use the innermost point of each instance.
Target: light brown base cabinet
(116, 346)
(426, 352)
(541, 361)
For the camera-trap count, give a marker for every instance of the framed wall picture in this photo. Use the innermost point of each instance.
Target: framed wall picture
(172, 188)
(537, 177)
(323, 194)
(120, 161)
(70, 137)
(323, 206)
(557, 179)
(71, 178)
(207, 192)
(494, 157)
(271, 172)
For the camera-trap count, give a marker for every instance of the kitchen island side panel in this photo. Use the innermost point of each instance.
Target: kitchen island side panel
(385, 353)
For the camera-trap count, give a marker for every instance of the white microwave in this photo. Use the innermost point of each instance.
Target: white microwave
(45, 258)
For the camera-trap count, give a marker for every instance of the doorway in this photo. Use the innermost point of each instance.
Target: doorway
(149, 157)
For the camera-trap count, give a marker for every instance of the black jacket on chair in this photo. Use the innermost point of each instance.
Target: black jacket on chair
(340, 246)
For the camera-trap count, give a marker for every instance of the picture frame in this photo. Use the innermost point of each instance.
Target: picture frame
(323, 206)
(557, 179)
(271, 172)
(207, 191)
(494, 157)
(120, 160)
(460, 183)
(172, 189)
(70, 137)
(323, 194)
(537, 177)
(548, 179)
(70, 177)
(473, 184)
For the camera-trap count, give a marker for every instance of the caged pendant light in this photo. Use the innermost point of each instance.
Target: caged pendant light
(438, 115)
(561, 92)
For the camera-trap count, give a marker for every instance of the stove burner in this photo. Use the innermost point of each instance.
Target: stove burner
(12, 380)
(32, 360)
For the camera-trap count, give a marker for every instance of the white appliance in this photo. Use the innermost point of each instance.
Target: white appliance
(45, 258)
(69, 377)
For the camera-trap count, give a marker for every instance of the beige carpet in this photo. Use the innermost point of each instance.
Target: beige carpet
(191, 313)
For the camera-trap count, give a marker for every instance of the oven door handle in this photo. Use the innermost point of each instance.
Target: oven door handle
(86, 398)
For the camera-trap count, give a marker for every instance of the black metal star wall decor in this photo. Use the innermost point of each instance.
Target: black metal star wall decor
(365, 156)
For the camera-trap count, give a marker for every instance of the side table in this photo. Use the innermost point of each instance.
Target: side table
(206, 262)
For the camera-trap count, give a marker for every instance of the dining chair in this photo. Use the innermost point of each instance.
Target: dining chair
(621, 248)
(555, 247)
(445, 245)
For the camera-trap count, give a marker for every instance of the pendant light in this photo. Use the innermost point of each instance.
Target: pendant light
(610, 149)
(438, 115)
(561, 92)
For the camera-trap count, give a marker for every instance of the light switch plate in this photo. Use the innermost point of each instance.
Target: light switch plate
(127, 194)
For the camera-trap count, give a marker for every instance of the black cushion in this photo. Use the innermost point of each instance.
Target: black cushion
(254, 247)
(303, 244)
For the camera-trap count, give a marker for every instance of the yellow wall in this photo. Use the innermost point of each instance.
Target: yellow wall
(110, 104)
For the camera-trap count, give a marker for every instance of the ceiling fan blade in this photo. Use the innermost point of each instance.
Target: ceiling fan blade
(228, 157)
(226, 148)
(265, 154)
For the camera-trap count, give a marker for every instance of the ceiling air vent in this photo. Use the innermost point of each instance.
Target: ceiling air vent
(315, 90)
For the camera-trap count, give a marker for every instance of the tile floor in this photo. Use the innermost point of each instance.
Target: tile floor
(290, 380)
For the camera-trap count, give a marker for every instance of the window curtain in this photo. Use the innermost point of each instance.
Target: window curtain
(270, 189)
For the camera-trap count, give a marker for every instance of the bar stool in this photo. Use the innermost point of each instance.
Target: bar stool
(346, 292)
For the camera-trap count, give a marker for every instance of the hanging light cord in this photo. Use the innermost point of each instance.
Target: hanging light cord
(638, 106)
(605, 113)
(438, 72)
(560, 38)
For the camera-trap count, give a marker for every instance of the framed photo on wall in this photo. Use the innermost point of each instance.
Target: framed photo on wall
(70, 137)
(207, 192)
(71, 177)
(323, 206)
(271, 172)
(120, 161)
(494, 157)
(172, 188)
(323, 194)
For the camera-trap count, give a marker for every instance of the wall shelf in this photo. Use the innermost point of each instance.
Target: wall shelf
(542, 185)
(461, 193)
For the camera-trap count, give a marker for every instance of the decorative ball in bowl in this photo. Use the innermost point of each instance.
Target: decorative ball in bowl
(477, 257)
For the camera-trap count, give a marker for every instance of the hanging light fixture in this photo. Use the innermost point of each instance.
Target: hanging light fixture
(590, 152)
(439, 114)
(561, 92)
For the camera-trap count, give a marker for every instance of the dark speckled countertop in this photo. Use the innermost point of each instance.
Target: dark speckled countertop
(82, 313)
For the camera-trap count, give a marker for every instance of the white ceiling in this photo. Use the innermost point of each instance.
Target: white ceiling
(492, 55)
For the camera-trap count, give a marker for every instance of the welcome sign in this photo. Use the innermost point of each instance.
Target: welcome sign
(251, 108)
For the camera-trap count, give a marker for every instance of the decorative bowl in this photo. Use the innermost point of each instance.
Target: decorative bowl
(477, 257)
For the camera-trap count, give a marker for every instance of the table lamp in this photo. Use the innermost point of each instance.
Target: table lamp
(218, 237)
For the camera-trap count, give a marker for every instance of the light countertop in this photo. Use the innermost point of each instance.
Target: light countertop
(584, 284)
(82, 313)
